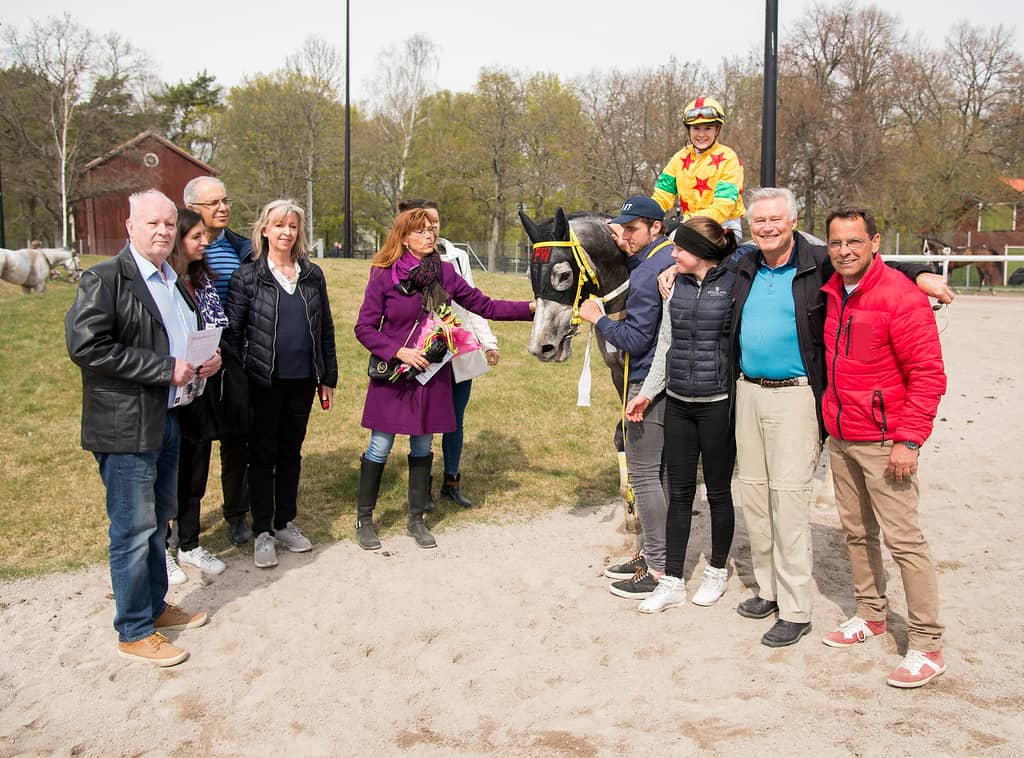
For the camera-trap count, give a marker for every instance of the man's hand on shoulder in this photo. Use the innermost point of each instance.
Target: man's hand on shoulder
(934, 285)
(667, 280)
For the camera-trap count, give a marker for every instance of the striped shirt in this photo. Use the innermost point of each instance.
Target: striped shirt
(223, 261)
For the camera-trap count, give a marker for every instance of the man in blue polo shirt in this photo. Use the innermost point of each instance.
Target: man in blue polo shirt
(225, 252)
(650, 253)
(778, 325)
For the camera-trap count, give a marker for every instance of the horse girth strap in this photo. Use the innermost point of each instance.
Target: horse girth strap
(586, 271)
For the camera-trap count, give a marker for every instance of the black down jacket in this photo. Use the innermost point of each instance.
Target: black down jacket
(252, 320)
(699, 363)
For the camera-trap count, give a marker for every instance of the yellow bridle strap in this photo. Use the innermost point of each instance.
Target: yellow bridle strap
(586, 270)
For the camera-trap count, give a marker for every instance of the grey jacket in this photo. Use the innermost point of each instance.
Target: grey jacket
(114, 333)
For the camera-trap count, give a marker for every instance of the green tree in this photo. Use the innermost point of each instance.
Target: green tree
(80, 86)
(186, 111)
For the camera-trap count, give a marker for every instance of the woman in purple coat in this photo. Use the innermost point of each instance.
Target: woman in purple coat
(408, 280)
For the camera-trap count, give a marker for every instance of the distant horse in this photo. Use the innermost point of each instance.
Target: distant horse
(574, 257)
(29, 268)
(57, 256)
(990, 273)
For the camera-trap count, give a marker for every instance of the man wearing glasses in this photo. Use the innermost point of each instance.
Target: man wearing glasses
(885, 379)
(778, 325)
(225, 252)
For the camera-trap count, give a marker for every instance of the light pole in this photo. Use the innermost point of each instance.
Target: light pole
(348, 252)
(3, 236)
(771, 76)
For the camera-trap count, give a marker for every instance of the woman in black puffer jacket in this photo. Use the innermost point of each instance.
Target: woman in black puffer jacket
(280, 323)
(692, 363)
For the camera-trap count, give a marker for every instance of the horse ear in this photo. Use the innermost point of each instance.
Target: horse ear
(561, 225)
(531, 228)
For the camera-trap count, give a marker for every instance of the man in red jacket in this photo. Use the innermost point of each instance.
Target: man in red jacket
(885, 378)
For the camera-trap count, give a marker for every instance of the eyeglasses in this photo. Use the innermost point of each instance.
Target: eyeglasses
(225, 201)
(429, 231)
(854, 245)
(708, 111)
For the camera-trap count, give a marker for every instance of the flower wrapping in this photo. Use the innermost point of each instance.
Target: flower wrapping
(442, 332)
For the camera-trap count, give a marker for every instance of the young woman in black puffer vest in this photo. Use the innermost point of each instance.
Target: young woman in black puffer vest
(692, 364)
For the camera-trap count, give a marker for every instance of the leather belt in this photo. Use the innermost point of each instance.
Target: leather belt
(796, 381)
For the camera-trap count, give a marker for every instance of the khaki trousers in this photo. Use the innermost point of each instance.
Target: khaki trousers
(777, 450)
(869, 500)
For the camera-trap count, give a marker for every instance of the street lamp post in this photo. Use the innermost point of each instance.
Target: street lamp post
(348, 144)
(771, 76)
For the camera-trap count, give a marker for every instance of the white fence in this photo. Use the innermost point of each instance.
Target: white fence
(945, 260)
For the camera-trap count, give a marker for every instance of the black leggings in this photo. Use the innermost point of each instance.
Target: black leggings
(692, 431)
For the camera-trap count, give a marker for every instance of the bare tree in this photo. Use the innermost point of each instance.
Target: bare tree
(406, 79)
(314, 71)
(62, 53)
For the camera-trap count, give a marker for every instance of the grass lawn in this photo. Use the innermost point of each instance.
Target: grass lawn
(528, 447)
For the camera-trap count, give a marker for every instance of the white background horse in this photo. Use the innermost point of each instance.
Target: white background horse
(31, 268)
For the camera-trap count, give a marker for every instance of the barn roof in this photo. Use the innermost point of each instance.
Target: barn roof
(1017, 184)
(141, 137)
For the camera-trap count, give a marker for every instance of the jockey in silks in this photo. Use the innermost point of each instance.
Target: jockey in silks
(706, 176)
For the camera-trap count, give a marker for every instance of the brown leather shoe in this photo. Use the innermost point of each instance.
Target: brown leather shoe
(153, 649)
(174, 619)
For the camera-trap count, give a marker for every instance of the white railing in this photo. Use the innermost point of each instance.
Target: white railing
(945, 260)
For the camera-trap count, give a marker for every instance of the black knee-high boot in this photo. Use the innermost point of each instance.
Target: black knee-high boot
(419, 484)
(369, 485)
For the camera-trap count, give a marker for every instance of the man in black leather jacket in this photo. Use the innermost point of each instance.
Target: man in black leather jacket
(127, 330)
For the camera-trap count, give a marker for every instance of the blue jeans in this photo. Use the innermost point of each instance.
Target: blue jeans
(381, 442)
(142, 496)
(451, 442)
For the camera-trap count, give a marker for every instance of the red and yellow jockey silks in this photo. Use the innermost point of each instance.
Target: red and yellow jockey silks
(707, 184)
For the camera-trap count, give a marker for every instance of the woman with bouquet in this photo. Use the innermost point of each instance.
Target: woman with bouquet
(404, 315)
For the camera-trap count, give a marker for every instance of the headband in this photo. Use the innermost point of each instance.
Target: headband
(696, 243)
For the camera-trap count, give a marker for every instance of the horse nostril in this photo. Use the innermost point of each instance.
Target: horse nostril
(548, 350)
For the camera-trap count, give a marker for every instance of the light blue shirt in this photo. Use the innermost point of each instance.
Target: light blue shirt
(174, 311)
(769, 347)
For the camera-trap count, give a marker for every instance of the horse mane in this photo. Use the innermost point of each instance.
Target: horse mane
(550, 220)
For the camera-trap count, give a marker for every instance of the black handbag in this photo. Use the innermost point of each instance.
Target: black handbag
(381, 370)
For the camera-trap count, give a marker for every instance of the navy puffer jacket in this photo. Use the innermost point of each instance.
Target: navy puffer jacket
(252, 320)
(700, 354)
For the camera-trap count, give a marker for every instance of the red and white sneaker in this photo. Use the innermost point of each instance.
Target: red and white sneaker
(917, 669)
(852, 631)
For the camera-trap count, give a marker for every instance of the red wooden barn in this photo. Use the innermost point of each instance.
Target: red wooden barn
(147, 160)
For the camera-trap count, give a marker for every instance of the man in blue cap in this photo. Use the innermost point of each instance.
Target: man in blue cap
(649, 253)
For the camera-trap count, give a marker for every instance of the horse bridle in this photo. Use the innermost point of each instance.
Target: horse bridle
(587, 283)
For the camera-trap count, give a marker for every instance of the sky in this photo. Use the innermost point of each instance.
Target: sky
(233, 39)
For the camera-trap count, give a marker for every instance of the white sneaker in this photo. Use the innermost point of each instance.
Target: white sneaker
(174, 573)
(264, 553)
(670, 593)
(293, 539)
(201, 558)
(713, 586)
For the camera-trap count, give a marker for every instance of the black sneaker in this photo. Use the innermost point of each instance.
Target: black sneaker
(239, 531)
(641, 585)
(627, 569)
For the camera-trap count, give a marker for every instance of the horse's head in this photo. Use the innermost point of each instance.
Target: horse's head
(572, 259)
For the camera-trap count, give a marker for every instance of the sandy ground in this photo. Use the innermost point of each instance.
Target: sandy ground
(505, 640)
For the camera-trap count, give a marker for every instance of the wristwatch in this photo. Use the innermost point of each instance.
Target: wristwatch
(910, 445)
